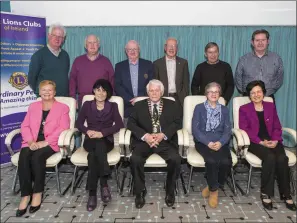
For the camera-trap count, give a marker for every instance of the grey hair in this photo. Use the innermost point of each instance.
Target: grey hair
(157, 83)
(171, 38)
(213, 84)
(133, 41)
(97, 38)
(57, 26)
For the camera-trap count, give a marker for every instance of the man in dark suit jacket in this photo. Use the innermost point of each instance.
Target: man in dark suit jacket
(154, 123)
(173, 71)
(132, 76)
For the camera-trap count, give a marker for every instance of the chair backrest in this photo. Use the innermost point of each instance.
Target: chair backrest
(239, 101)
(145, 97)
(120, 102)
(190, 103)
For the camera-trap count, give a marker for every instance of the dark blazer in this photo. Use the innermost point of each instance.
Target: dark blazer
(123, 84)
(181, 80)
(222, 133)
(249, 122)
(139, 122)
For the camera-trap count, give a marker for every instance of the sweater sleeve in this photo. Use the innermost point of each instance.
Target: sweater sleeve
(195, 85)
(34, 69)
(227, 127)
(197, 128)
(82, 116)
(230, 83)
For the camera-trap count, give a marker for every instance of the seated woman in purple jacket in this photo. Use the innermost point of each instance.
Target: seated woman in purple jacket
(100, 114)
(260, 121)
(211, 129)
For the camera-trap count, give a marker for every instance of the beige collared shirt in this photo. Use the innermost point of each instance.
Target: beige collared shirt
(171, 73)
(55, 52)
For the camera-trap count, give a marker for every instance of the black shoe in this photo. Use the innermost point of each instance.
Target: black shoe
(292, 206)
(169, 200)
(20, 213)
(33, 209)
(139, 199)
(105, 194)
(92, 203)
(268, 206)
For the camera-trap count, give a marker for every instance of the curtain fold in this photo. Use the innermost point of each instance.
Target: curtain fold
(234, 41)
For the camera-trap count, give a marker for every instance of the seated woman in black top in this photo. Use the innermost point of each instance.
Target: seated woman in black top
(100, 114)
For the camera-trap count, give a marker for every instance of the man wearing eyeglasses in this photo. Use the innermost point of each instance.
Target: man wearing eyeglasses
(173, 72)
(51, 62)
(132, 76)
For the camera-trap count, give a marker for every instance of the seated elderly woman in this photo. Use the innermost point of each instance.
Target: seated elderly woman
(100, 114)
(260, 121)
(211, 129)
(40, 130)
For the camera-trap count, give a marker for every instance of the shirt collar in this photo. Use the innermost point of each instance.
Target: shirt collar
(169, 59)
(265, 54)
(56, 52)
(95, 58)
(137, 62)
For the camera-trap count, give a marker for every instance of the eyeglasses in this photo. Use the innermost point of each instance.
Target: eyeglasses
(171, 46)
(57, 37)
(131, 50)
(213, 92)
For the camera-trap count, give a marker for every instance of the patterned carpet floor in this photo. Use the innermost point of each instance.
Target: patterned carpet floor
(192, 208)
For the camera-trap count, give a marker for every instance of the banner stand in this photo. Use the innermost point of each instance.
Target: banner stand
(21, 37)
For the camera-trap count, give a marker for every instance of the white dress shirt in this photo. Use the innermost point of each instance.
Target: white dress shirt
(171, 73)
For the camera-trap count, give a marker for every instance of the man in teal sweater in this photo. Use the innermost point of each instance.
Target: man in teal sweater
(51, 63)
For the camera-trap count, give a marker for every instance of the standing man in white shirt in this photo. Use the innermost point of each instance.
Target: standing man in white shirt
(173, 72)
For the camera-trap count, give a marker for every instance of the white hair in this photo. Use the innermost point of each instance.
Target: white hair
(97, 38)
(133, 41)
(171, 38)
(57, 26)
(212, 84)
(157, 83)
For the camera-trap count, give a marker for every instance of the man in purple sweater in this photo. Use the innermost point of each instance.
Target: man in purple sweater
(88, 68)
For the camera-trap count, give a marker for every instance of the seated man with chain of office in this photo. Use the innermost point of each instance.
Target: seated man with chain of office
(154, 123)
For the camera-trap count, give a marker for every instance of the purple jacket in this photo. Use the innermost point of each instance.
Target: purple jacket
(249, 122)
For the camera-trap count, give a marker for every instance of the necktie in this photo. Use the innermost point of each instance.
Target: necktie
(155, 112)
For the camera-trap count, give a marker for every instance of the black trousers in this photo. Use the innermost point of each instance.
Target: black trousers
(97, 161)
(141, 151)
(274, 161)
(217, 163)
(31, 167)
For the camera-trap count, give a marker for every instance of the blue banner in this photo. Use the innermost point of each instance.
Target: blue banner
(21, 37)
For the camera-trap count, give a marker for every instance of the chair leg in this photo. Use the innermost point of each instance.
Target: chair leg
(131, 183)
(58, 180)
(73, 180)
(190, 180)
(117, 179)
(15, 181)
(249, 181)
(233, 181)
(293, 181)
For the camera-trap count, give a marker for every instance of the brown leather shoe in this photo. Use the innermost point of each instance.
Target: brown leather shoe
(205, 192)
(213, 199)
